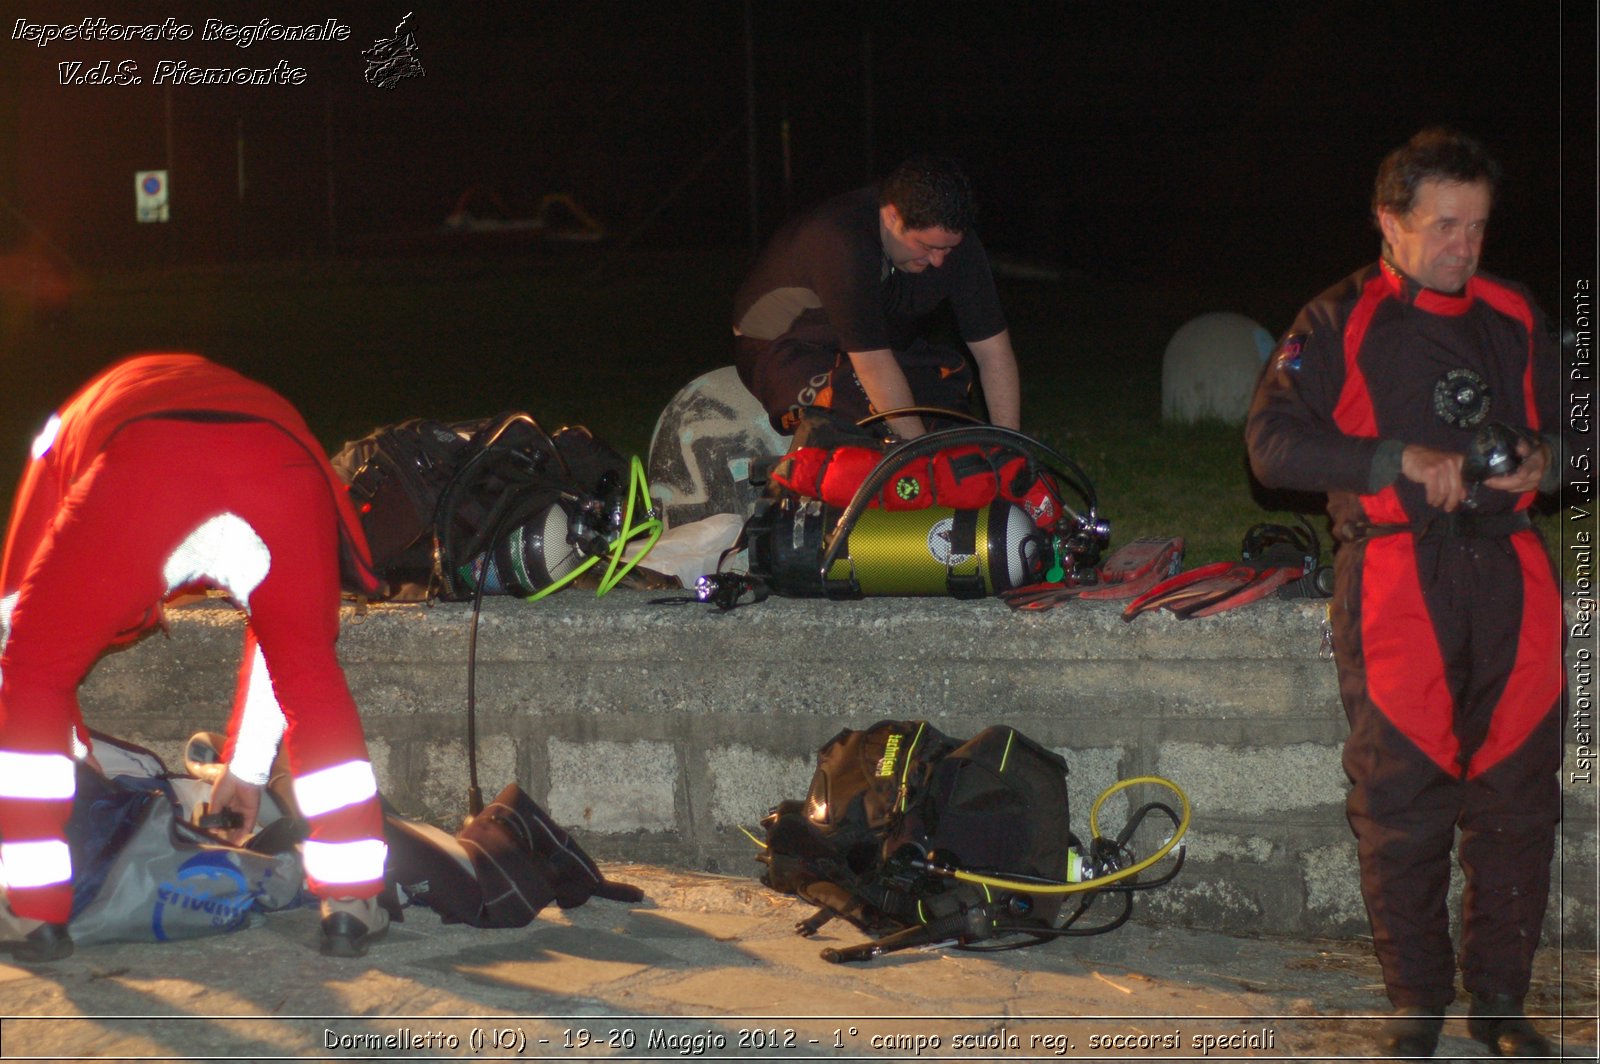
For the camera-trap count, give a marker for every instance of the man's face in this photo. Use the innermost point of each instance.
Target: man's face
(913, 250)
(1437, 242)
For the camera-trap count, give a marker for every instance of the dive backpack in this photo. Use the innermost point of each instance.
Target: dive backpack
(496, 501)
(918, 838)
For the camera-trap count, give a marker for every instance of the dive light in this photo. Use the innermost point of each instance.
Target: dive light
(1493, 452)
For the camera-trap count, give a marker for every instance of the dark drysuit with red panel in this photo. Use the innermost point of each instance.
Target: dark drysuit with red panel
(166, 473)
(1446, 627)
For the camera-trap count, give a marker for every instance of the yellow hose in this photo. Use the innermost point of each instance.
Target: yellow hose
(1094, 827)
(637, 488)
(1094, 830)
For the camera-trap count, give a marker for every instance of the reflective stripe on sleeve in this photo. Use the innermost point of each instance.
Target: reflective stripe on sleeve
(335, 788)
(46, 438)
(261, 726)
(345, 862)
(38, 777)
(35, 864)
(225, 551)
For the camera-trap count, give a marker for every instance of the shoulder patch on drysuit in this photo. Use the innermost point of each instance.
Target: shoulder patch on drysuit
(1287, 358)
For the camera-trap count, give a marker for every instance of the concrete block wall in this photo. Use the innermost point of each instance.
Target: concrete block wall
(656, 732)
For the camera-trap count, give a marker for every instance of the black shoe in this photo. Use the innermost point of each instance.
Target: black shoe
(350, 925)
(1411, 1032)
(343, 936)
(1498, 1022)
(45, 943)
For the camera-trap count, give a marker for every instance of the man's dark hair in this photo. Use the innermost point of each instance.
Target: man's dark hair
(1438, 153)
(930, 191)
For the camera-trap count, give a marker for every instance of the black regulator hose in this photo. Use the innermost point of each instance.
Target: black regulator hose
(445, 552)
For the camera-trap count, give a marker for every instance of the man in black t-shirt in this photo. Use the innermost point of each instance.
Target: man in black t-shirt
(833, 314)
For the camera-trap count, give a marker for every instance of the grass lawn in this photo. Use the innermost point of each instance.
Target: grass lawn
(357, 344)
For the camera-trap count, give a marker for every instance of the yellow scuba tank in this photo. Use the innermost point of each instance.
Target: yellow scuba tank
(932, 551)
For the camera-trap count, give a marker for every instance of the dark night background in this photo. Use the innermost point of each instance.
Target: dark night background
(1151, 140)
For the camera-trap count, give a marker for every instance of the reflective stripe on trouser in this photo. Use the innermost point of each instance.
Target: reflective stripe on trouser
(37, 873)
(336, 801)
(1450, 673)
(36, 792)
(345, 869)
(99, 571)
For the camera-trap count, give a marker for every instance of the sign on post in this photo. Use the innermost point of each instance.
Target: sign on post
(150, 195)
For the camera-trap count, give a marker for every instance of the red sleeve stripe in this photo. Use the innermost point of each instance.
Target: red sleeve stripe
(1354, 413)
(1512, 304)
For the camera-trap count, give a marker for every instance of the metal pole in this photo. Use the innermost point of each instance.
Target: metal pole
(868, 147)
(333, 230)
(168, 241)
(754, 173)
(788, 166)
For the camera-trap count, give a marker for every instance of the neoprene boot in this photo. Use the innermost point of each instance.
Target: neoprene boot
(1497, 1020)
(1411, 1032)
(349, 925)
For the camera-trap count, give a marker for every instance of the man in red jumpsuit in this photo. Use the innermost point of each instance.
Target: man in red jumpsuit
(169, 472)
(1446, 611)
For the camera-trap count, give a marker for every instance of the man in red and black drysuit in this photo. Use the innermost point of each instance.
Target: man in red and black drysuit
(168, 472)
(834, 313)
(1446, 611)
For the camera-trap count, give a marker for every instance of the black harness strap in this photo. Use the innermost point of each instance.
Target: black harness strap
(964, 543)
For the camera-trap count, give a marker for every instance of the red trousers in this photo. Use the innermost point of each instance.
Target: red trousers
(101, 570)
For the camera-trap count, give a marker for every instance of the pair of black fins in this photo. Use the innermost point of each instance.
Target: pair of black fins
(1273, 560)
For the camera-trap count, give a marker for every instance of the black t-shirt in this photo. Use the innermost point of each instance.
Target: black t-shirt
(825, 275)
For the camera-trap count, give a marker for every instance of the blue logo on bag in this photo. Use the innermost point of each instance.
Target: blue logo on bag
(206, 883)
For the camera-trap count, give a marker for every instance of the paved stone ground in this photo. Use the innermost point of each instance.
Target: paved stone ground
(709, 967)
